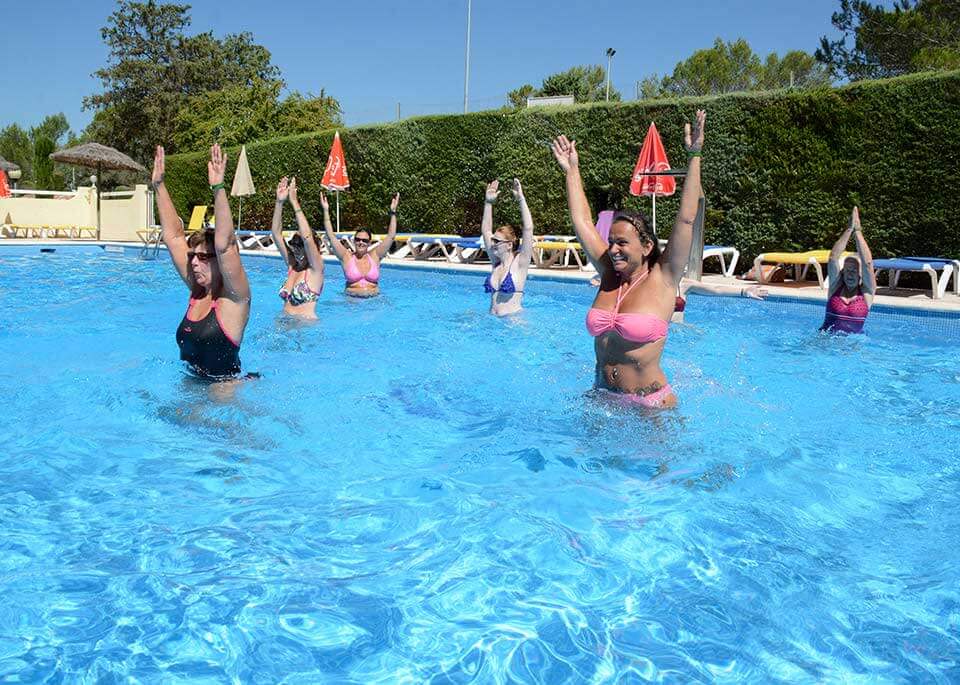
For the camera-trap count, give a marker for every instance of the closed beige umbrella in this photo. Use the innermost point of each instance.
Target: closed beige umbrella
(242, 182)
(98, 157)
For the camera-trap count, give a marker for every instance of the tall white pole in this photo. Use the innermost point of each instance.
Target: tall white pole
(654, 213)
(609, 58)
(466, 66)
(338, 211)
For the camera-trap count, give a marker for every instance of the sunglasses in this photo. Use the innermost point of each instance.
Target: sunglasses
(498, 241)
(202, 256)
(361, 240)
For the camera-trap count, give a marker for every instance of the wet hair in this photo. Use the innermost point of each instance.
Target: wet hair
(202, 237)
(511, 234)
(362, 230)
(297, 252)
(644, 230)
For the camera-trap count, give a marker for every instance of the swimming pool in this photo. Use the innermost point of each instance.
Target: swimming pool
(415, 490)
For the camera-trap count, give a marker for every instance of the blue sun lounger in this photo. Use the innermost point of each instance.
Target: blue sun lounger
(928, 265)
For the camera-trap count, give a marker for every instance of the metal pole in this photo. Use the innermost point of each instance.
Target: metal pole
(240, 213)
(338, 211)
(610, 53)
(398, 111)
(466, 66)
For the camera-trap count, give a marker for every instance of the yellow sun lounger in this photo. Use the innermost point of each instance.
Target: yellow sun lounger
(547, 253)
(196, 218)
(801, 261)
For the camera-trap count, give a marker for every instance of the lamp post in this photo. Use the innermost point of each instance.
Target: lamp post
(610, 53)
(466, 65)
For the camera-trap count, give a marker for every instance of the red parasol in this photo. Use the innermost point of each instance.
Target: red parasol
(4, 188)
(335, 175)
(653, 158)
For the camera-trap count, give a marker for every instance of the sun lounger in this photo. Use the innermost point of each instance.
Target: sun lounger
(929, 265)
(196, 218)
(801, 261)
(559, 251)
(424, 247)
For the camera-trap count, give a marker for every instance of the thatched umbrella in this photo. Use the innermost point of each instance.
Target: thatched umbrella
(98, 157)
(7, 166)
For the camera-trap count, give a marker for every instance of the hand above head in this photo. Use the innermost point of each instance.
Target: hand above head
(855, 220)
(323, 202)
(283, 190)
(217, 166)
(492, 192)
(394, 202)
(292, 189)
(159, 166)
(693, 141)
(565, 152)
(517, 190)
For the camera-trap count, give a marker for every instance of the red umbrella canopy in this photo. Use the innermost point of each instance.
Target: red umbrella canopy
(4, 188)
(335, 175)
(652, 158)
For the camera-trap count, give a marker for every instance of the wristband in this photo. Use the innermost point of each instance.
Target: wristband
(694, 153)
(298, 210)
(488, 202)
(392, 212)
(217, 186)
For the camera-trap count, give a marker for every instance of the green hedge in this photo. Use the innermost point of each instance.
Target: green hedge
(781, 169)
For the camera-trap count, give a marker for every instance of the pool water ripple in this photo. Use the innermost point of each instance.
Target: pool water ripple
(416, 491)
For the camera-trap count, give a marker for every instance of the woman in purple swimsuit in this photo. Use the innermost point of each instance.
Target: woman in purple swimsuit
(510, 263)
(211, 331)
(853, 283)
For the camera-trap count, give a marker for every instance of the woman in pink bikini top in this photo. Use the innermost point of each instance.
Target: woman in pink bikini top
(852, 286)
(631, 313)
(361, 265)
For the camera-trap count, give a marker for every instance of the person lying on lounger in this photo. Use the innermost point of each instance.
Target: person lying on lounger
(509, 260)
(631, 313)
(212, 328)
(853, 282)
(361, 265)
(301, 255)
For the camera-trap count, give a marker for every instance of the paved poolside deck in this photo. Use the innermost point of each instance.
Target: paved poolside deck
(809, 290)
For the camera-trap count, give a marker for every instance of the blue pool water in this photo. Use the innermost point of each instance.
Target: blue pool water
(416, 491)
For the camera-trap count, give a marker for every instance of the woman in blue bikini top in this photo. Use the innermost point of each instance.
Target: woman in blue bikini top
(509, 262)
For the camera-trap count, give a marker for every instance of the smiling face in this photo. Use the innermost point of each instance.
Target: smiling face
(361, 243)
(627, 250)
(851, 272)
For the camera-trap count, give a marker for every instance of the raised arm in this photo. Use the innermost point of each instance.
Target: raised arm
(675, 256)
(755, 292)
(834, 266)
(276, 225)
(866, 258)
(526, 245)
(332, 240)
(384, 247)
(303, 228)
(565, 152)
(235, 284)
(486, 223)
(170, 223)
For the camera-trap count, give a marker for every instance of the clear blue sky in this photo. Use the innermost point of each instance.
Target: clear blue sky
(371, 54)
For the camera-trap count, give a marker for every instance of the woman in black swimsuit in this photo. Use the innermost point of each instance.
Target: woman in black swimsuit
(209, 263)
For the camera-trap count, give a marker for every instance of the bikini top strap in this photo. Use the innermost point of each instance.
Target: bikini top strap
(621, 295)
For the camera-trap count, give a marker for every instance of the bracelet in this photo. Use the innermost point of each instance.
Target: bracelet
(488, 202)
(694, 153)
(392, 212)
(298, 210)
(217, 186)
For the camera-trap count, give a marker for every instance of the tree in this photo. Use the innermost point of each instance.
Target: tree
(733, 67)
(585, 83)
(156, 72)
(54, 127)
(43, 176)
(878, 42)
(16, 147)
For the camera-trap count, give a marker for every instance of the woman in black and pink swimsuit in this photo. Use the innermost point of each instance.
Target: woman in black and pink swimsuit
(211, 331)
